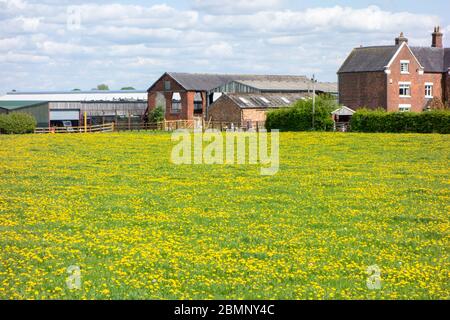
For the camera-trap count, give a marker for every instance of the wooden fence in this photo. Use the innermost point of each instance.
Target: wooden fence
(93, 128)
(160, 126)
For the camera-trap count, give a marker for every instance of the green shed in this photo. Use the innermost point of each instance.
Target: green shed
(38, 109)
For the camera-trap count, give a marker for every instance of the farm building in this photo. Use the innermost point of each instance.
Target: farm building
(188, 96)
(38, 109)
(244, 109)
(67, 108)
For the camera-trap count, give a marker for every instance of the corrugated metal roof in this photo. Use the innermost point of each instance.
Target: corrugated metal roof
(12, 105)
(368, 59)
(258, 100)
(76, 96)
(289, 85)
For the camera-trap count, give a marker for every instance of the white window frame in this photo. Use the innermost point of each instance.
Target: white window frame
(403, 84)
(404, 108)
(429, 92)
(404, 63)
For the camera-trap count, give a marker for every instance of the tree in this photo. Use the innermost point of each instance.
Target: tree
(128, 88)
(76, 89)
(156, 115)
(102, 87)
(299, 116)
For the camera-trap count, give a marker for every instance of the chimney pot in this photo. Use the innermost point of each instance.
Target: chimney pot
(400, 39)
(437, 38)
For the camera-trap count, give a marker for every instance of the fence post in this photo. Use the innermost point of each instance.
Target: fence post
(85, 122)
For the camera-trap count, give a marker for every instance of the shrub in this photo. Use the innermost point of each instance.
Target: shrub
(299, 116)
(381, 121)
(156, 115)
(17, 123)
(435, 104)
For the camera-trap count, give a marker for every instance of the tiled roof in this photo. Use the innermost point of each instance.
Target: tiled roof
(200, 81)
(432, 59)
(368, 59)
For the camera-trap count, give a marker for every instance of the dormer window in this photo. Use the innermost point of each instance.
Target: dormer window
(404, 66)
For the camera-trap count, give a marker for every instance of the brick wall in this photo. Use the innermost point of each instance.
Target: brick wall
(226, 110)
(362, 89)
(254, 115)
(447, 86)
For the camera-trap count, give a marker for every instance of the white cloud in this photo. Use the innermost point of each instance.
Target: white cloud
(235, 7)
(219, 50)
(335, 18)
(23, 58)
(134, 44)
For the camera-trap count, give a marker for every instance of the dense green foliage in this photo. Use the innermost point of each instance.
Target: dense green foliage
(299, 117)
(156, 115)
(381, 121)
(102, 86)
(17, 123)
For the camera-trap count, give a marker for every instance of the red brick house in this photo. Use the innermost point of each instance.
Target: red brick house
(397, 77)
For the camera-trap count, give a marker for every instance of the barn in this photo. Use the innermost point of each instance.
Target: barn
(249, 109)
(68, 108)
(189, 96)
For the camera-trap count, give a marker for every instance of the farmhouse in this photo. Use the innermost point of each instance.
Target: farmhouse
(68, 108)
(398, 77)
(250, 108)
(187, 96)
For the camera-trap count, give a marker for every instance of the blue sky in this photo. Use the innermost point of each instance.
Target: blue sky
(61, 45)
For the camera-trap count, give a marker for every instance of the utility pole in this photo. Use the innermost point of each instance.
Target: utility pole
(313, 101)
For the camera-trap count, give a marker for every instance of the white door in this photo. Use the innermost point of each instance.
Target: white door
(61, 115)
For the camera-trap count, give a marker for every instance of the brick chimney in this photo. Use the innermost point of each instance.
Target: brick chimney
(400, 39)
(437, 38)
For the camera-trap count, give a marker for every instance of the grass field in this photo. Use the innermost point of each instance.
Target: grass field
(142, 228)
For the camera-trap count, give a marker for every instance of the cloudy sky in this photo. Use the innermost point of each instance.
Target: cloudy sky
(61, 45)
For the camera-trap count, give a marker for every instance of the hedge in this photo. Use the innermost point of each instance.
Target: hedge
(299, 116)
(17, 123)
(382, 121)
